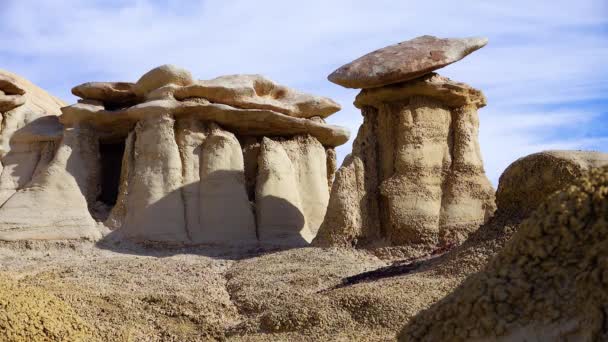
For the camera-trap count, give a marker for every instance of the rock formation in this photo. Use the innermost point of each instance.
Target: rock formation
(404, 61)
(170, 159)
(38, 169)
(415, 177)
(528, 181)
(547, 284)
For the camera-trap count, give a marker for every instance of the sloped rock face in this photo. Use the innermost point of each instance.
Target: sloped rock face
(48, 180)
(546, 284)
(54, 205)
(415, 177)
(30, 129)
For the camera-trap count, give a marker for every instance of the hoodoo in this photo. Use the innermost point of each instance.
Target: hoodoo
(237, 159)
(415, 177)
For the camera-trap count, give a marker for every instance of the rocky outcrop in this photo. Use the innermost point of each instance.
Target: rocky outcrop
(235, 160)
(546, 284)
(48, 178)
(404, 61)
(29, 128)
(54, 205)
(415, 176)
(258, 92)
(529, 180)
(226, 215)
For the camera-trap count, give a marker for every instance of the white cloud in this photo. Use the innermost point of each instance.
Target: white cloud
(540, 52)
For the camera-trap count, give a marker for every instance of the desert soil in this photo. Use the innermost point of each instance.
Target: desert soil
(134, 293)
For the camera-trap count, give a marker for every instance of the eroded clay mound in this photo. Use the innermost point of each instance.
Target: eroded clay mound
(31, 314)
(546, 284)
(529, 180)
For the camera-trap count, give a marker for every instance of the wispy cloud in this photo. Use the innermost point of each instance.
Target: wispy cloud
(545, 58)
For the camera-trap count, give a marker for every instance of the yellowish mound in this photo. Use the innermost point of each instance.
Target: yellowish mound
(30, 314)
(549, 283)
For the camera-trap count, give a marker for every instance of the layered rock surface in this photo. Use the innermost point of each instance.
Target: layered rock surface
(224, 161)
(415, 176)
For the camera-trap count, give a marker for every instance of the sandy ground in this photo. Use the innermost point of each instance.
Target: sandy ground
(130, 293)
(136, 293)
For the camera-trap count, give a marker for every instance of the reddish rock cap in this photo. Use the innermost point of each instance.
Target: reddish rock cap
(404, 61)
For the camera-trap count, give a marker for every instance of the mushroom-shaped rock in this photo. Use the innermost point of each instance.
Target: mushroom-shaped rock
(404, 61)
(162, 76)
(258, 92)
(415, 177)
(112, 93)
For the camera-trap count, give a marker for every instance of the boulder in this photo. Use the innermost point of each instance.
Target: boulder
(529, 180)
(162, 76)
(404, 61)
(258, 92)
(544, 285)
(415, 177)
(110, 93)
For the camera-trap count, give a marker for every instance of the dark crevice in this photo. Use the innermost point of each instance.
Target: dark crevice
(111, 165)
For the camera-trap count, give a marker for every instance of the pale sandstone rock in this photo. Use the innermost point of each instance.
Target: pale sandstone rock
(242, 121)
(161, 76)
(226, 216)
(258, 92)
(155, 207)
(415, 177)
(190, 135)
(180, 181)
(53, 206)
(309, 162)
(279, 211)
(22, 103)
(404, 61)
(18, 168)
(111, 93)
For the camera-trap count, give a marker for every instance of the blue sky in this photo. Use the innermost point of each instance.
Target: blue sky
(545, 70)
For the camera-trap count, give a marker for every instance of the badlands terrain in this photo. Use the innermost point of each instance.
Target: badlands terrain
(176, 209)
